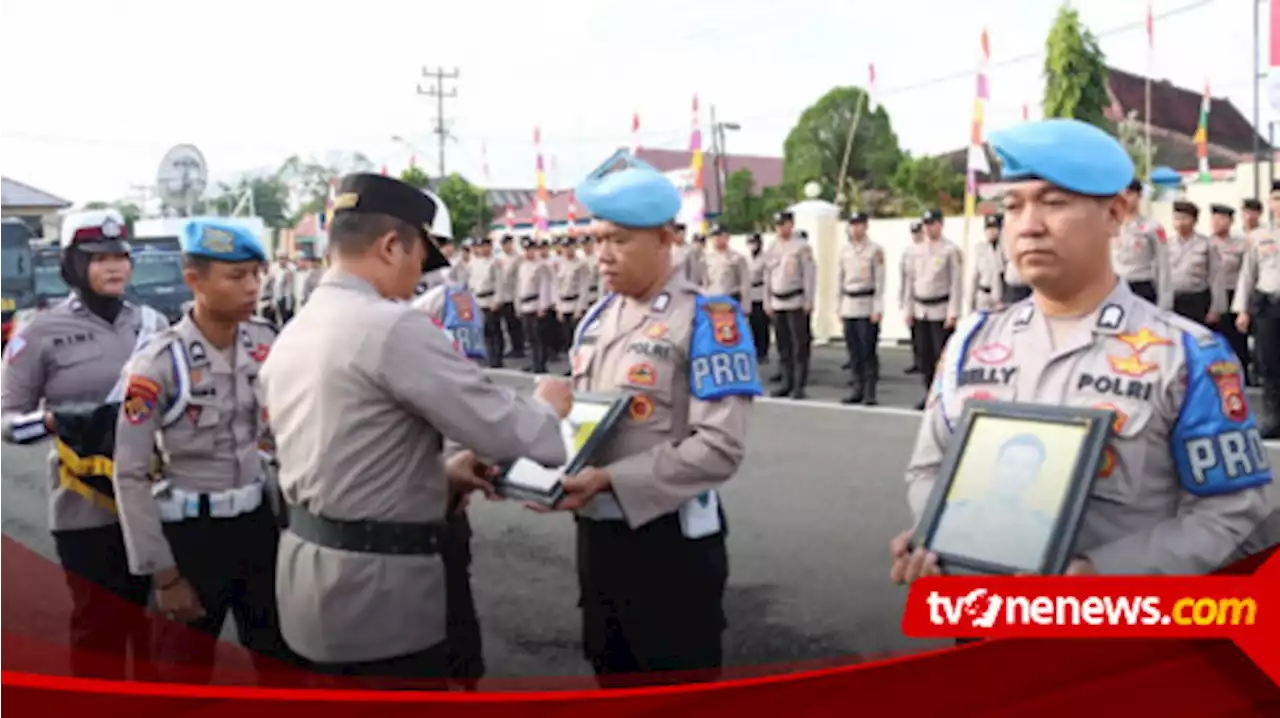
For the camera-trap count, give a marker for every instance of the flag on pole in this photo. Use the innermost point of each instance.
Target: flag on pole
(540, 210)
(511, 218)
(1202, 134)
(484, 161)
(1026, 112)
(384, 171)
(695, 146)
(873, 103)
(635, 133)
(977, 160)
(573, 212)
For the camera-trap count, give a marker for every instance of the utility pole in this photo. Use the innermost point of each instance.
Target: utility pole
(715, 148)
(438, 91)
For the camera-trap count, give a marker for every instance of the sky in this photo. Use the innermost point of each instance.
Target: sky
(91, 105)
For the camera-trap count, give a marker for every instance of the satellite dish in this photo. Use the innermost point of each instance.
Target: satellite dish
(182, 178)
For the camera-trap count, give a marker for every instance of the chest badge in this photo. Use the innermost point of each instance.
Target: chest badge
(992, 354)
(1132, 365)
(642, 374)
(260, 352)
(656, 331)
(1143, 339)
(641, 408)
(1226, 377)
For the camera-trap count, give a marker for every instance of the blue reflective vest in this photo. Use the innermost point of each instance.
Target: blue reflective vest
(464, 321)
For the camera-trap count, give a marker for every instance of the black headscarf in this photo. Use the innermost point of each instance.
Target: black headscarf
(75, 272)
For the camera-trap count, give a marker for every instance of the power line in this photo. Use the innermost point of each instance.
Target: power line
(438, 91)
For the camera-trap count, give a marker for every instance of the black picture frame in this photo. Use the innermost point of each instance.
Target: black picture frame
(610, 407)
(1060, 548)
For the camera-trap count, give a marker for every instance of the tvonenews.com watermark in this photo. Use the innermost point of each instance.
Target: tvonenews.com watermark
(982, 608)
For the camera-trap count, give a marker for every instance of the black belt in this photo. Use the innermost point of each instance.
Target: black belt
(574, 298)
(984, 290)
(482, 295)
(933, 300)
(788, 295)
(860, 293)
(534, 298)
(757, 284)
(1193, 295)
(382, 537)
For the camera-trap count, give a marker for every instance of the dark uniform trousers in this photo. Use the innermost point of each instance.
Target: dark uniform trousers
(552, 342)
(568, 327)
(493, 340)
(534, 328)
(1193, 306)
(933, 339)
(1266, 323)
(760, 330)
(108, 604)
(515, 329)
(1238, 342)
(231, 565)
(861, 339)
(652, 600)
(465, 648)
(1145, 289)
(794, 339)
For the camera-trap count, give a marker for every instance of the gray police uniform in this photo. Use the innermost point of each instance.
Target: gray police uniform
(988, 267)
(484, 279)
(861, 284)
(69, 357)
(1195, 270)
(1231, 251)
(1013, 288)
(1140, 255)
(207, 511)
(509, 269)
(790, 288)
(1258, 294)
(760, 325)
(1180, 487)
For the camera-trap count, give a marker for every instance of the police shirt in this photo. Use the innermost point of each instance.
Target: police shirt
(790, 276)
(535, 289)
(936, 281)
(1181, 483)
(1231, 250)
(1140, 254)
(727, 273)
(572, 282)
(758, 266)
(988, 266)
(484, 277)
(861, 279)
(1260, 272)
(509, 268)
(1195, 267)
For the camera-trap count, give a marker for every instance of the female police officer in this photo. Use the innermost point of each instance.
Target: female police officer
(70, 358)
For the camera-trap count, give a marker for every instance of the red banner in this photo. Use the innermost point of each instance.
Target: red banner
(1273, 36)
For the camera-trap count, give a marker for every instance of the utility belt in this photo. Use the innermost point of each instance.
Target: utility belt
(930, 301)
(376, 537)
(757, 285)
(485, 295)
(571, 298)
(531, 298)
(177, 505)
(1202, 294)
(856, 293)
(788, 295)
(984, 290)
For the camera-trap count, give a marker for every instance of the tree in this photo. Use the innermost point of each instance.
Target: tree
(815, 147)
(1134, 139)
(468, 205)
(270, 195)
(922, 183)
(742, 206)
(311, 177)
(772, 201)
(416, 176)
(1075, 72)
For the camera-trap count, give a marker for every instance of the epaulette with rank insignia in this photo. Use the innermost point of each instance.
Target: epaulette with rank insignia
(722, 355)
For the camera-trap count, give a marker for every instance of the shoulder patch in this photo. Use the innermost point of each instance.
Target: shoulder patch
(14, 348)
(141, 395)
(1216, 445)
(722, 358)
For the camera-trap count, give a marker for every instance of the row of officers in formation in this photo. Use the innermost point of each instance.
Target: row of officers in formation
(355, 561)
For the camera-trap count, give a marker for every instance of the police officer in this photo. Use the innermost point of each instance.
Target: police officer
(509, 262)
(1140, 252)
(861, 302)
(1251, 216)
(589, 256)
(535, 301)
(988, 263)
(282, 282)
(790, 287)
(362, 391)
(934, 286)
(1166, 501)
(62, 381)
(555, 342)
(697, 260)
(1195, 269)
(1231, 249)
(1257, 307)
(1013, 288)
(652, 562)
(202, 531)
(904, 271)
(759, 319)
(484, 279)
(462, 266)
(727, 271)
(572, 281)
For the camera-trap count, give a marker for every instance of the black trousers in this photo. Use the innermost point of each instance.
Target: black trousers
(1014, 294)
(1266, 327)
(493, 336)
(1193, 306)
(549, 326)
(652, 600)
(284, 310)
(933, 338)
(427, 669)
(1145, 289)
(103, 627)
(537, 340)
(465, 647)
(568, 326)
(1238, 341)
(515, 329)
(760, 329)
(231, 565)
(915, 344)
(861, 341)
(794, 339)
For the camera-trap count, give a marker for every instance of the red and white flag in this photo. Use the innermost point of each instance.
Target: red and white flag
(511, 219)
(873, 100)
(635, 133)
(484, 160)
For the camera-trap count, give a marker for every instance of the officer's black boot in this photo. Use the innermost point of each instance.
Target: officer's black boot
(777, 375)
(1271, 410)
(869, 396)
(786, 375)
(802, 380)
(857, 395)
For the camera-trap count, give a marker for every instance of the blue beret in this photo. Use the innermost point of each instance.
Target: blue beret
(1071, 154)
(631, 195)
(222, 242)
(1166, 177)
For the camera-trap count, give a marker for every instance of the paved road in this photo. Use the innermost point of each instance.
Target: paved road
(811, 513)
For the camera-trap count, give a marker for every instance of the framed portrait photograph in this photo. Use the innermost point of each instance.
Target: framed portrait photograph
(1013, 487)
(584, 430)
